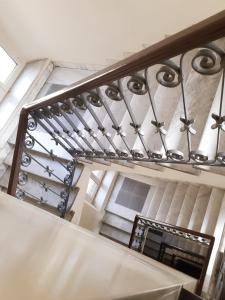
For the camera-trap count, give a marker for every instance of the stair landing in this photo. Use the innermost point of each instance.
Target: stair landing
(45, 257)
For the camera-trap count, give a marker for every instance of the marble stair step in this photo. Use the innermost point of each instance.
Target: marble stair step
(199, 209)
(212, 211)
(156, 200)
(187, 205)
(118, 222)
(115, 234)
(176, 203)
(166, 201)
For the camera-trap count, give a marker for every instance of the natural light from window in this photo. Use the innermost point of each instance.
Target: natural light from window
(7, 65)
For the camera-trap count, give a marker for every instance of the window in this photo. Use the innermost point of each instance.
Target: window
(7, 65)
(94, 183)
(10, 68)
(132, 194)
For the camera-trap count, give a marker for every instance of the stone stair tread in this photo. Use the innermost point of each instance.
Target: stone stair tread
(117, 222)
(115, 233)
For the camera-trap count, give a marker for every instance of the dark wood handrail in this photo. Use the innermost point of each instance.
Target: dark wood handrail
(195, 36)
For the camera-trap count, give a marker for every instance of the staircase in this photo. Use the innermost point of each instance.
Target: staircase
(196, 207)
(157, 114)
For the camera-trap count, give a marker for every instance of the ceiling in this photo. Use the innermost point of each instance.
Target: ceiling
(93, 31)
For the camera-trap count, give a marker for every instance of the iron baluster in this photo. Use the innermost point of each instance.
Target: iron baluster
(132, 117)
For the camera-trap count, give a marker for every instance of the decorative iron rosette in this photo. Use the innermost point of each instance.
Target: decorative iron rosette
(169, 75)
(208, 61)
(137, 85)
(219, 122)
(113, 92)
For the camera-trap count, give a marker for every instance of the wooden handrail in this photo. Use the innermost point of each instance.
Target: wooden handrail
(195, 36)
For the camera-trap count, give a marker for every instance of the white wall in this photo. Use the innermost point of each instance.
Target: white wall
(92, 31)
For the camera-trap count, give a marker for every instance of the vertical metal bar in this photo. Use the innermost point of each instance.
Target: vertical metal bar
(53, 156)
(52, 134)
(87, 128)
(76, 130)
(154, 110)
(69, 190)
(132, 117)
(114, 122)
(220, 111)
(184, 106)
(100, 127)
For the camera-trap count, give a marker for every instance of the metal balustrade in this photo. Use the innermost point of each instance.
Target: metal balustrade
(74, 118)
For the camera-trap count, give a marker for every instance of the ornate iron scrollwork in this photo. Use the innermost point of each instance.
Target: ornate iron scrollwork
(20, 194)
(23, 178)
(122, 153)
(26, 160)
(31, 124)
(94, 99)
(198, 156)
(64, 194)
(79, 103)
(29, 142)
(65, 106)
(113, 92)
(169, 75)
(70, 166)
(155, 155)
(46, 112)
(175, 155)
(137, 85)
(137, 154)
(68, 180)
(110, 153)
(61, 206)
(55, 110)
(208, 61)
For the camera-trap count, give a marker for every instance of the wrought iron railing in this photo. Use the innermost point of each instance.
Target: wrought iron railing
(166, 240)
(84, 120)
